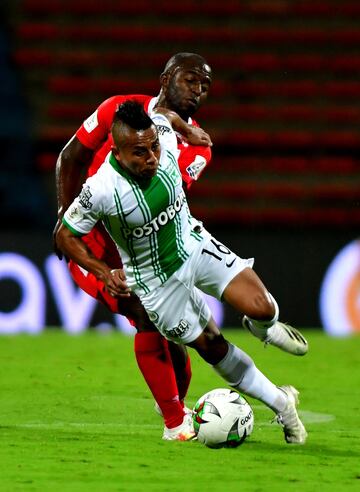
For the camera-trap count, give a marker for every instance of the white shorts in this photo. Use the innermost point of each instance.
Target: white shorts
(177, 308)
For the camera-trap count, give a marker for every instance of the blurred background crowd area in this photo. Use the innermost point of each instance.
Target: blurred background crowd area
(283, 111)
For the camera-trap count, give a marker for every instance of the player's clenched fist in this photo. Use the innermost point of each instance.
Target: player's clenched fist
(116, 285)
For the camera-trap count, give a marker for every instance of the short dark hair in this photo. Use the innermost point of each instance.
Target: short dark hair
(132, 113)
(180, 59)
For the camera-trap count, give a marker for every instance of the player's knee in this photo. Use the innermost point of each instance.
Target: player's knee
(262, 307)
(212, 347)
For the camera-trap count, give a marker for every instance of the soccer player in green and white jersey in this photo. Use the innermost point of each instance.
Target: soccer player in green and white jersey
(168, 256)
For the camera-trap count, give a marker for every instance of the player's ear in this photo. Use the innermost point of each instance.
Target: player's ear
(164, 79)
(115, 151)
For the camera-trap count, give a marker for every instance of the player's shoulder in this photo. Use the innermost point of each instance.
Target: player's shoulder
(103, 173)
(101, 184)
(161, 122)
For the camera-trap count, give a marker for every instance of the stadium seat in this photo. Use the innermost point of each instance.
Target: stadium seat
(284, 106)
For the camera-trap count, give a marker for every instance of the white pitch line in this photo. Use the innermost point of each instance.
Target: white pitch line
(60, 425)
(307, 417)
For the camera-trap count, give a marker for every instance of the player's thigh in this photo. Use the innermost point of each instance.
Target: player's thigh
(217, 266)
(179, 311)
(247, 294)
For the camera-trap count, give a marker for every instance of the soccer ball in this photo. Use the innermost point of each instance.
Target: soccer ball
(222, 418)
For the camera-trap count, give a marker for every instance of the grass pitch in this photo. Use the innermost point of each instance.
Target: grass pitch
(77, 416)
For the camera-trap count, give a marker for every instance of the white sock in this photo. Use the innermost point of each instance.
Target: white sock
(240, 372)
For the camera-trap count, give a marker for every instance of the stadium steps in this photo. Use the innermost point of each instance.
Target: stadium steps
(48, 31)
(287, 129)
(280, 216)
(322, 9)
(255, 62)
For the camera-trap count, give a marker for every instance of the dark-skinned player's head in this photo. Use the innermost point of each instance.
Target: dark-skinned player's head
(185, 83)
(136, 144)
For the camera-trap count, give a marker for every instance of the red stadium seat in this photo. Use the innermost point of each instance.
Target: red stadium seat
(111, 86)
(211, 7)
(222, 36)
(334, 217)
(253, 164)
(283, 112)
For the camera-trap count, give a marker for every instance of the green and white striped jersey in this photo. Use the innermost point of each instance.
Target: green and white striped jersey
(150, 224)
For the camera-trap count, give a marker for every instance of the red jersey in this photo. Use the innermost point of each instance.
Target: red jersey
(95, 134)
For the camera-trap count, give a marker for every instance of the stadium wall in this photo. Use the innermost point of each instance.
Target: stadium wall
(37, 290)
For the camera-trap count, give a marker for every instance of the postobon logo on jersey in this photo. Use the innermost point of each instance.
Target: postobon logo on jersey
(159, 221)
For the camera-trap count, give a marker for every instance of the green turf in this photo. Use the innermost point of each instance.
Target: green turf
(77, 416)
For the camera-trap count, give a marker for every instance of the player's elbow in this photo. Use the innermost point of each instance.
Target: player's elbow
(62, 237)
(75, 154)
(65, 158)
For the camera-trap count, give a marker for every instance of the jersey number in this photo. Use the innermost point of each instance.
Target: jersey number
(220, 247)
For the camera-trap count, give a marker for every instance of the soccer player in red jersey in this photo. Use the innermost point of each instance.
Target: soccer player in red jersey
(185, 83)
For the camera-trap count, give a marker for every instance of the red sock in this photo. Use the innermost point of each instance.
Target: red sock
(183, 379)
(153, 358)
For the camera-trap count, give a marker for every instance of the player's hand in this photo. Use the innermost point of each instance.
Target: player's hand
(116, 283)
(197, 136)
(57, 251)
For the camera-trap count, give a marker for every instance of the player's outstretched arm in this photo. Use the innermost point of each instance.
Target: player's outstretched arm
(194, 135)
(74, 248)
(71, 168)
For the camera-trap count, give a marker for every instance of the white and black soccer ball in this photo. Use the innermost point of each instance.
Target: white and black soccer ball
(222, 418)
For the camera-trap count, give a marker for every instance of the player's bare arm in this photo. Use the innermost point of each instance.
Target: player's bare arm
(197, 136)
(73, 247)
(192, 134)
(71, 168)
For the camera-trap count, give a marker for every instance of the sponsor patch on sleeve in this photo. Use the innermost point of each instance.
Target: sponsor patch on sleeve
(84, 198)
(74, 214)
(162, 129)
(195, 168)
(91, 123)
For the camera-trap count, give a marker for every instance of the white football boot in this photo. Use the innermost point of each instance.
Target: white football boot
(183, 432)
(294, 429)
(283, 336)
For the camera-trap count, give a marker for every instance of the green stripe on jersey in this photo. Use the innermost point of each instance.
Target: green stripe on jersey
(159, 195)
(166, 246)
(137, 189)
(178, 225)
(196, 236)
(74, 231)
(130, 246)
(152, 238)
